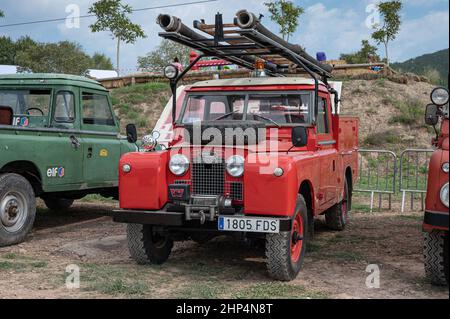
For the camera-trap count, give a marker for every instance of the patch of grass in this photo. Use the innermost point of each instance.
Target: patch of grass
(11, 261)
(97, 198)
(201, 290)
(410, 112)
(278, 290)
(362, 208)
(7, 265)
(418, 218)
(382, 138)
(141, 122)
(118, 286)
(381, 82)
(347, 256)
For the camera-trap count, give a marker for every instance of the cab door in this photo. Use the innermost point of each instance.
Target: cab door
(101, 141)
(64, 152)
(327, 153)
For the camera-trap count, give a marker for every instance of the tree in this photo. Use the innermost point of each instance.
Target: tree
(367, 53)
(112, 16)
(286, 15)
(2, 14)
(388, 30)
(101, 62)
(163, 55)
(7, 51)
(62, 57)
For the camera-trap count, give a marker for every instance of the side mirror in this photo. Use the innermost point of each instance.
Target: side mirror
(299, 136)
(431, 115)
(132, 135)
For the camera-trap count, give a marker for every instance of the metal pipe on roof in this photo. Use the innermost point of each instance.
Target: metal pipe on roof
(248, 20)
(171, 23)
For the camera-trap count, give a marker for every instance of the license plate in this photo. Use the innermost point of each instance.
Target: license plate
(249, 224)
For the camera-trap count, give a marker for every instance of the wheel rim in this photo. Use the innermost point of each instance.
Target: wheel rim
(13, 211)
(158, 240)
(297, 238)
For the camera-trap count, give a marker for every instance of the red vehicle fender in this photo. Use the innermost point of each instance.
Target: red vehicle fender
(145, 186)
(266, 194)
(436, 179)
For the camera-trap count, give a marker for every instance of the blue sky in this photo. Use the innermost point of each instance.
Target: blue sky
(332, 26)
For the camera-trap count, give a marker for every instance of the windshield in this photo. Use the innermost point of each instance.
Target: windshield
(272, 108)
(26, 102)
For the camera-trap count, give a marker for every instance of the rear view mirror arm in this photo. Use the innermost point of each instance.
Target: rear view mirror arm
(174, 84)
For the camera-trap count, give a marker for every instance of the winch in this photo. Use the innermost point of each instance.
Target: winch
(205, 207)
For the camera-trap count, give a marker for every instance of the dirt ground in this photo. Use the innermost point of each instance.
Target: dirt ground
(335, 266)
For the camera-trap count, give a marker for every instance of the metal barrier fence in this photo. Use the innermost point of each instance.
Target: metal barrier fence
(377, 174)
(414, 174)
(381, 170)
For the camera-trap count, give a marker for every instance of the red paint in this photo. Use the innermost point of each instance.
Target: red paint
(320, 165)
(436, 176)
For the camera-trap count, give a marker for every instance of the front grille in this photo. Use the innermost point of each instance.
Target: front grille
(208, 178)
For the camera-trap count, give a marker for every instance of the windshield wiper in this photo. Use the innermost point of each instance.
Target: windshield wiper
(267, 119)
(225, 116)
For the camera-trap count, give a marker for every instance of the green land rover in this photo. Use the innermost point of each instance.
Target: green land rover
(60, 141)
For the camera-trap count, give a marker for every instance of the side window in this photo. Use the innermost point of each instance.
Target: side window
(65, 108)
(323, 126)
(96, 110)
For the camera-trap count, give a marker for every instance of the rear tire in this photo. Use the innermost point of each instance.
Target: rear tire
(54, 203)
(436, 257)
(285, 251)
(147, 246)
(17, 209)
(336, 217)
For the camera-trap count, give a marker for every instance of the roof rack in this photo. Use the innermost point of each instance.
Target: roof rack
(243, 43)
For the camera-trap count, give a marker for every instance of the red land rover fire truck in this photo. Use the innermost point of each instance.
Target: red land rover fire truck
(436, 207)
(257, 157)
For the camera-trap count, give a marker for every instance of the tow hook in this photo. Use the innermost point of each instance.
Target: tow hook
(202, 217)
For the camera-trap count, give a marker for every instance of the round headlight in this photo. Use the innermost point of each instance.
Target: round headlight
(148, 142)
(439, 96)
(445, 168)
(179, 164)
(444, 195)
(235, 166)
(170, 72)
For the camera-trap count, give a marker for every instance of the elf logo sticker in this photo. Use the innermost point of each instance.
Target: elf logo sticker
(56, 172)
(21, 121)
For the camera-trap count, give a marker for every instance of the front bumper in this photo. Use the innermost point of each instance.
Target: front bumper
(436, 220)
(165, 218)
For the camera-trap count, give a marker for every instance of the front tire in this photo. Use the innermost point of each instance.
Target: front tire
(53, 203)
(285, 251)
(436, 257)
(17, 209)
(147, 246)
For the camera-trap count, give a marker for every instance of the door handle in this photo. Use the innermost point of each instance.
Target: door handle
(75, 142)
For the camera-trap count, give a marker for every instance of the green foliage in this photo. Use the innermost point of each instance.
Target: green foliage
(286, 14)
(62, 57)
(2, 14)
(367, 53)
(410, 112)
(112, 16)
(102, 62)
(163, 55)
(388, 30)
(433, 65)
(382, 138)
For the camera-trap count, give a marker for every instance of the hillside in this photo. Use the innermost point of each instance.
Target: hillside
(433, 66)
(391, 114)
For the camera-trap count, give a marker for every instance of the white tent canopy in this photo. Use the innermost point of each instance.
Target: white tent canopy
(8, 69)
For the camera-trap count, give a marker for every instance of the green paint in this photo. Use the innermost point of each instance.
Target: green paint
(46, 143)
